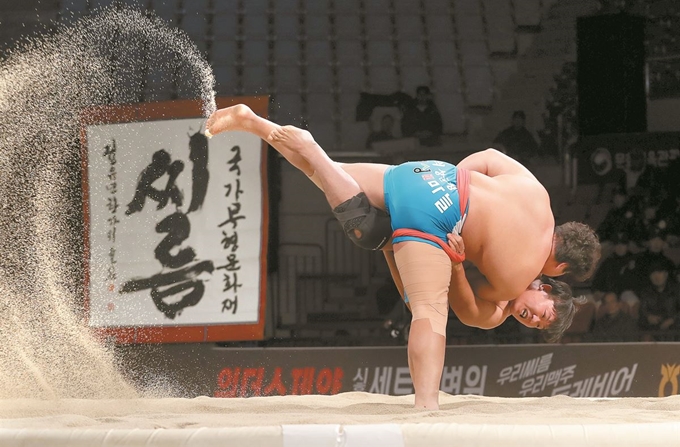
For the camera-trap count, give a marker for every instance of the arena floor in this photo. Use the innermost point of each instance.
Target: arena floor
(348, 419)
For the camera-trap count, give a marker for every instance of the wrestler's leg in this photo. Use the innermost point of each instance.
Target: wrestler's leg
(296, 145)
(425, 272)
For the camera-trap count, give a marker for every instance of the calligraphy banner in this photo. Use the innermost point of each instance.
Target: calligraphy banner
(175, 225)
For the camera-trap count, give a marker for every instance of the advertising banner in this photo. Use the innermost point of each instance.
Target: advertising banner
(176, 227)
(578, 370)
(603, 158)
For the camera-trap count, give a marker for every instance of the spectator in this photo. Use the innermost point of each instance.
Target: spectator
(516, 140)
(644, 220)
(422, 119)
(386, 131)
(653, 254)
(669, 215)
(617, 217)
(615, 274)
(659, 300)
(613, 322)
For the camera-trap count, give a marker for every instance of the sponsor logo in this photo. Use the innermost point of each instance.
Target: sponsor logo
(669, 376)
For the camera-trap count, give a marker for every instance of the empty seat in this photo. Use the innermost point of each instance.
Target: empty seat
(324, 132)
(379, 52)
(437, 7)
(317, 7)
(466, 7)
(412, 53)
(318, 52)
(407, 7)
(378, 27)
(451, 105)
(287, 52)
(224, 52)
(349, 52)
(347, 26)
(226, 78)
(348, 105)
(351, 78)
(502, 69)
(443, 53)
(288, 7)
(288, 108)
(288, 79)
(353, 135)
(225, 26)
(165, 9)
(348, 7)
(255, 52)
(474, 53)
(479, 85)
(439, 26)
(73, 6)
(321, 119)
(409, 27)
(286, 26)
(321, 106)
(254, 7)
(500, 27)
(195, 25)
(527, 12)
(255, 80)
(470, 27)
(139, 4)
(319, 78)
(317, 27)
(255, 26)
(446, 79)
(376, 7)
(383, 80)
(226, 7)
(412, 77)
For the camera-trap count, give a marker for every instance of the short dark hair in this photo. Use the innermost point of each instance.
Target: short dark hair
(565, 308)
(578, 246)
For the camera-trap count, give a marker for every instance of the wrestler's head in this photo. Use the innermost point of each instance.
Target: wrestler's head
(547, 304)
(576, 250)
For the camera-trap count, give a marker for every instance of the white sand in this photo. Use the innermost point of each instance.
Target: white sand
(346, 408)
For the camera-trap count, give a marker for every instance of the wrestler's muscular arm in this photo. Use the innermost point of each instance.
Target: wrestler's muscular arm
(469, 309)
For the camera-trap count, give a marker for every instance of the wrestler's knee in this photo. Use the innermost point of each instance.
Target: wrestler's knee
(437, 313)
(366, 226)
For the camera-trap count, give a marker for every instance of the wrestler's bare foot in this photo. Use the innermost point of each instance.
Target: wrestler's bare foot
(235, 117)
(293, 138)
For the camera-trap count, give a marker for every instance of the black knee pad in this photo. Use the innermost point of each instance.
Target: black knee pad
(374, 225)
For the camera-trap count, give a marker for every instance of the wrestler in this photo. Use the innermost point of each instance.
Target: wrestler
(511, 204)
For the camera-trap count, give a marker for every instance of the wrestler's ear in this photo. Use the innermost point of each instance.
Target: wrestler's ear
(562, 268)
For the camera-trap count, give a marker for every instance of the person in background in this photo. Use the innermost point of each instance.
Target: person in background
(659, 301)
(615, 274)
(614, 323)
(422, 119)
(385, 133)
(516, 140)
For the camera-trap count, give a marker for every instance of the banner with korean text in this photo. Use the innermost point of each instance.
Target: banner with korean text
(176, 225)
(577, 370)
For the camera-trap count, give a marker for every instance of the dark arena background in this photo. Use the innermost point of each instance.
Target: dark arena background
(160, 288)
